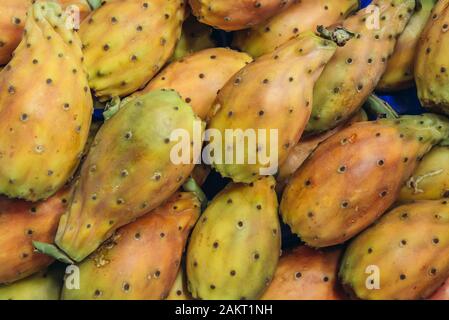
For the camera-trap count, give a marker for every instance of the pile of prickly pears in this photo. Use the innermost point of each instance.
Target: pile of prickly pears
(224, 149)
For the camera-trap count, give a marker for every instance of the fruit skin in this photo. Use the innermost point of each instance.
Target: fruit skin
(45, 285)
(399, 72)
(369, 162)
(301, 151)
(179, 290)
(299, 17)
(137, 39)
(198, 77)
(128, 170)
(142, 259)
(273, 93)
(195, 37)
(45, 108)
(306, 274)
(442, 293)
(231, 15)
(21, 223)
(12, 22)
(432, 61)
(430, 180)
(235, 242)
(410, 248)
(355, 69)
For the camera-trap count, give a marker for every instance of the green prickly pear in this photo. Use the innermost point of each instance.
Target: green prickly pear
(369, 162)
(21, 223)
(354, 71)
(45, 285)
(45, 107)
(406, 252)
(195, 37)
(197, 78)
(431, 74)
(299, 17)
(399, 73)
(306, 274)
(128, 171)
(430, 180)
(142, 259)
(126, 43)
(236, 241)
(274, 94)
(231, 15)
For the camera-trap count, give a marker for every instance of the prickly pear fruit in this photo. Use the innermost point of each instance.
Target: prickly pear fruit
(399, 72)
(128, 171)
(354, 71)
(273, 94)
(141, 260)
(197, 78)
(369, 162)
(430, 180)
(137, 39)
(306, 274)
(44, 285)
(442, 293)
(432, 61)
(236, 241)
(179, 290)
(12, 22)
(21, 223)
(305, 148)
(200, 173)
(389, 250)
(195, 37)
(231, 15)
(299, 17)
(45, 107)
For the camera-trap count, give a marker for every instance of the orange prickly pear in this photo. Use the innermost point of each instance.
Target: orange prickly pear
(442, 293)
(45, 107)
(354, 71)
(128, 171)
(141, 260)
(273, 94)
(431, 74)
(369, 162)
(306, 274)
(12, 22)
(231, 15)
(21, 223)
(126, 43)
(198, 77)
(399, 72)
(235, 242)
(404, 256)
(299, 17)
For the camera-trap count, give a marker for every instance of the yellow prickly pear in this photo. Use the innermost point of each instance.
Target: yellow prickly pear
(273, 94)
(432, 63)
(45, 285)
(399, 74)
(128, 171)
(179, 290)
(21, 223)
(354, 71)
(236, 241)
(126, 43)
(369, 162)
(197, 78)
(231, 15)
(141, 260)
(405, 255)
(306, 274)
(12, 22)
(299, 17)
(45, 107)
(430, 180)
